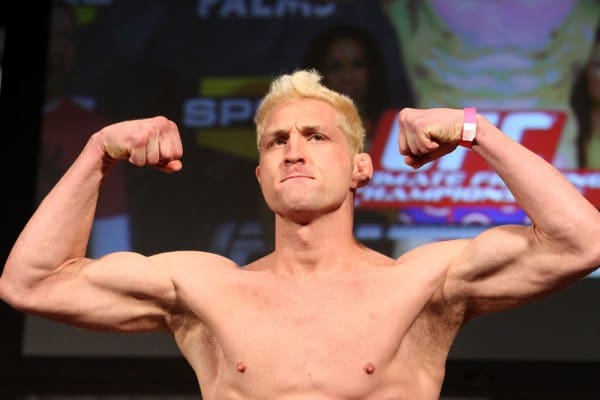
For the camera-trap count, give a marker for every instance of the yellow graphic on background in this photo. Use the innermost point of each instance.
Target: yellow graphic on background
(85, 14)
(239, 140)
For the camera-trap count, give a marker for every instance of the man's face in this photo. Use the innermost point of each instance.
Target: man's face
(305, 166)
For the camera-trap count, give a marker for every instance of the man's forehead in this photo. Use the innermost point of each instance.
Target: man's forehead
(302, 114)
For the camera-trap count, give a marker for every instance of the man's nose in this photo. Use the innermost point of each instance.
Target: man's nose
(294, 150)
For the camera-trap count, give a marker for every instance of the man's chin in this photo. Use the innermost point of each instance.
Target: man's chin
(299, 213)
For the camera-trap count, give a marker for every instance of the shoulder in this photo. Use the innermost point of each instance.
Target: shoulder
(431, 265)
(198, 278)
(182, 265)
(191, 256)
(438, 256)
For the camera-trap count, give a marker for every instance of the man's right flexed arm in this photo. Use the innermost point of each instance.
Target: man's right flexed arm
(46, 271)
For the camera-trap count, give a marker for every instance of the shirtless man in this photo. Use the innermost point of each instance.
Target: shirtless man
(321, 317)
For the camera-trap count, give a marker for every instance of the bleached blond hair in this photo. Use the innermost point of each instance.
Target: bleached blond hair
(306, 84)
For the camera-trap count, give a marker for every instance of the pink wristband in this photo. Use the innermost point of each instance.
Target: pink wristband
(467, 136)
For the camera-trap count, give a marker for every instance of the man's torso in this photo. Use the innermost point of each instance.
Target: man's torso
(376, 331)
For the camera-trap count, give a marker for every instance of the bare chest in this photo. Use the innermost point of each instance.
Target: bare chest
(347, 337)
(311, 328)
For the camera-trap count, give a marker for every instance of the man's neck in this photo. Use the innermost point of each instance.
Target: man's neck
(324, 244)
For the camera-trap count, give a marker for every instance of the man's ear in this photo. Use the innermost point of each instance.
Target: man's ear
(362, 170)
(257, 173)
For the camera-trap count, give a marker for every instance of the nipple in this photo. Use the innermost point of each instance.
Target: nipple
(369, 368)
(241, 367)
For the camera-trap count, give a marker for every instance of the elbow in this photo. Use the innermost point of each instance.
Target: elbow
(592, 245)
(593, 257)
(3, 294)
(13, 296)
(7, 294)
(586, 251)
(580, 242)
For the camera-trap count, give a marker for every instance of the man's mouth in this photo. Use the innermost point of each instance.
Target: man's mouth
(296, 176)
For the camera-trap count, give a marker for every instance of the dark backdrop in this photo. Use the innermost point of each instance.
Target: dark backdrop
(21, 98)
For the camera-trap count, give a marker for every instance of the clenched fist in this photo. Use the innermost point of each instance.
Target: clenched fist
(426, 135)
(150, 141)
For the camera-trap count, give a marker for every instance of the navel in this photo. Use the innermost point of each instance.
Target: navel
(241, 367)
(369, 368)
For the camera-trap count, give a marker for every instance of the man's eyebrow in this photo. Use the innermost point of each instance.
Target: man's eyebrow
(276, 132)
(267, 136)
(311, 128)
(304, 130)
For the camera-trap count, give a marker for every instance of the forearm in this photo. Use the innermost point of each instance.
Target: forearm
(59, 229)
(556, 208)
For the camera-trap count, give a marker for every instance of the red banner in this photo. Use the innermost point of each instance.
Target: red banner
(462, 178)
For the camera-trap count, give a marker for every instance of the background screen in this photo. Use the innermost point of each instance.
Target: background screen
(206, 64)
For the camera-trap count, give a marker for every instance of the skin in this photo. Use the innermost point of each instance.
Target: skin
(321, 317)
